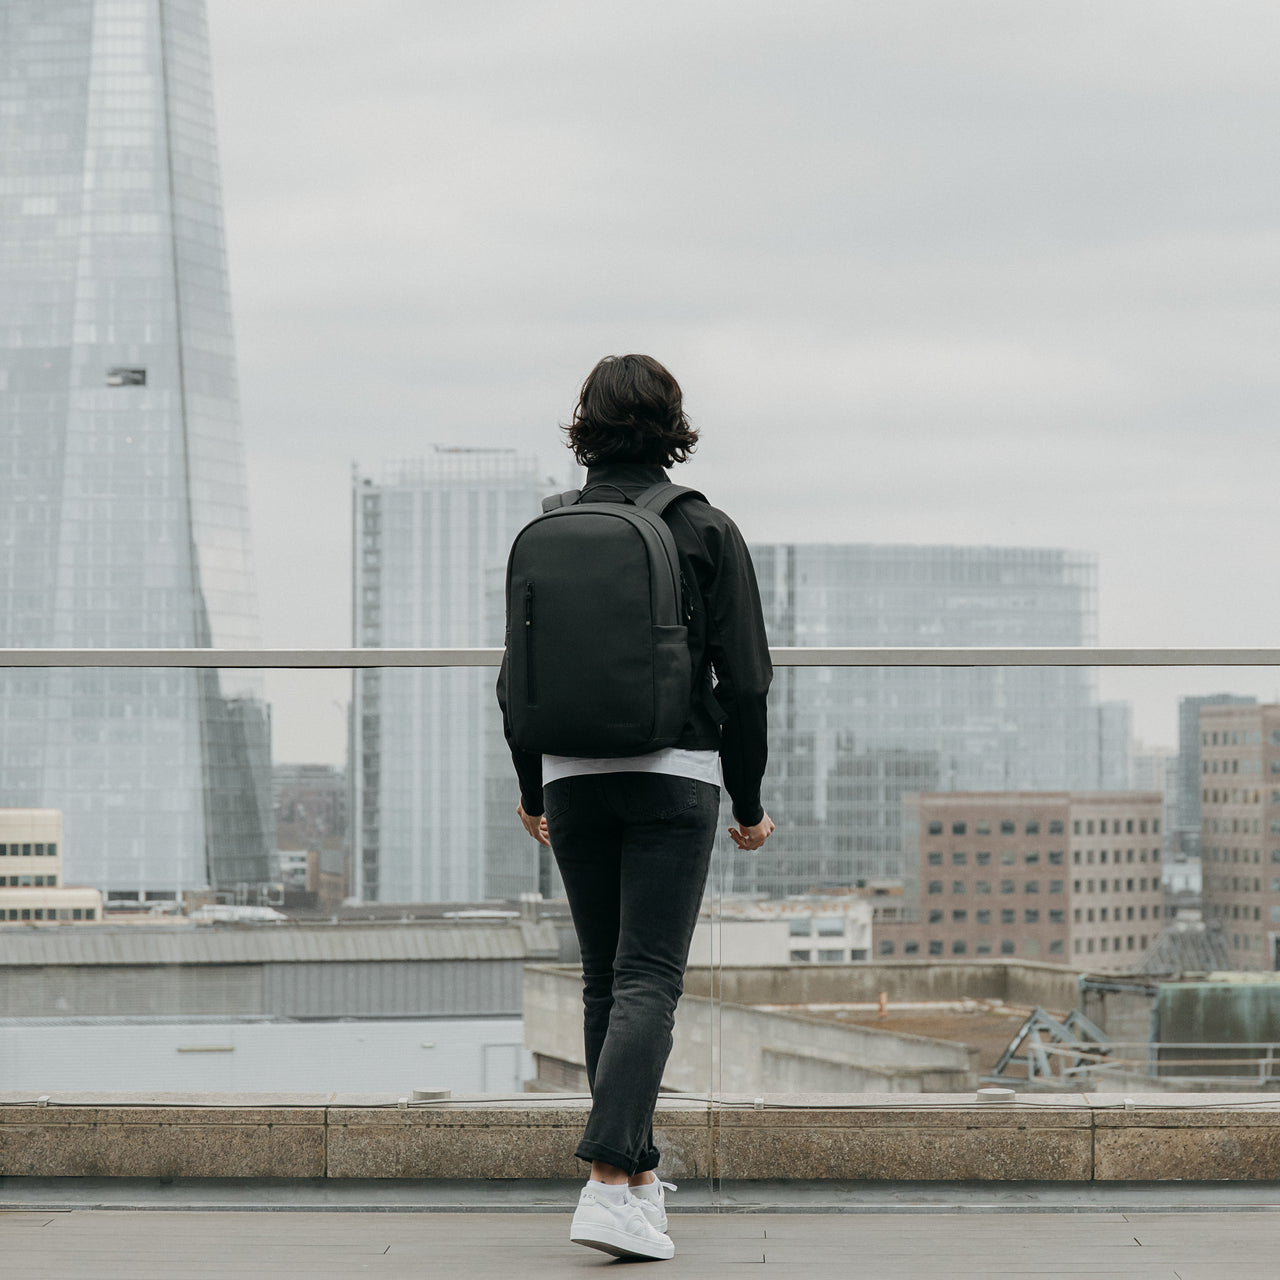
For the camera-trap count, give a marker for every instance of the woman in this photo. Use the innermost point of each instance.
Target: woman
(632, 836)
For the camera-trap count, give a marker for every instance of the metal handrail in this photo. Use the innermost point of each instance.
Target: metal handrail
(783, 656)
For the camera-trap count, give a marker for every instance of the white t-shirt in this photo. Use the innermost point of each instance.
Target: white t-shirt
(683, 763)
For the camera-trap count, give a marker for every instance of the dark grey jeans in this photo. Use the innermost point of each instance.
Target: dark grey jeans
(633, 850)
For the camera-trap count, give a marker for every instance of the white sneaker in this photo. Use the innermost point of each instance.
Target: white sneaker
(653, 1202)
(618, 1227)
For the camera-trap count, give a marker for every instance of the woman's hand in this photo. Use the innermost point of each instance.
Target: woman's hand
(752, 837)
(537, 827)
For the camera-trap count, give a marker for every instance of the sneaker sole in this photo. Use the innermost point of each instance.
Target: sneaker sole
(620, 1244)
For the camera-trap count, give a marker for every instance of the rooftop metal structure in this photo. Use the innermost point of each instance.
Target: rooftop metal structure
(276, 944)
(782, 656)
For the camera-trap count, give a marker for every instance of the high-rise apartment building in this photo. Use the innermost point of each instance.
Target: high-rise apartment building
(1239, 794)
(1189, 784)
(1072, 877)
(845, 743)
(123, 503)
(429, 536)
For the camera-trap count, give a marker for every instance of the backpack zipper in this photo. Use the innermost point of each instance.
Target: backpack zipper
(528, 643)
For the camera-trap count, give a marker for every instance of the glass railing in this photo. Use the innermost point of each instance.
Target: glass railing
(313, 881)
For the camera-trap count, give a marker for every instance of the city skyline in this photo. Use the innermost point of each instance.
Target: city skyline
(926, 275)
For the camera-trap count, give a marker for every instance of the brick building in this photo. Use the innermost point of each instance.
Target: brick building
(1240, 828)
(1061, 876)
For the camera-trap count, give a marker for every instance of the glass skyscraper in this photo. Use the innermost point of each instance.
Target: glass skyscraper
(847, 743)
(123, 504)
(434, 792)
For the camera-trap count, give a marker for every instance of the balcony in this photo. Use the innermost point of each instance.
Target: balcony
(774, 1176)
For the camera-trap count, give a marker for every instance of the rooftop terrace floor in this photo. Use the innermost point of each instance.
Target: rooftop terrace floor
(889, 1232)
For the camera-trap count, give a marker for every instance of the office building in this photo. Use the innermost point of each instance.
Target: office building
(873, 733)
(32, 889)
(1071, 877)
(429, 535)
(1239, 793)
(123, 504)
(1187, 835)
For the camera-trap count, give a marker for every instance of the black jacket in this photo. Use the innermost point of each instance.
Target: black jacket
(727, 642)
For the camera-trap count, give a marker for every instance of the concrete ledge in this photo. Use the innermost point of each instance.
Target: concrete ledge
(847, 1137)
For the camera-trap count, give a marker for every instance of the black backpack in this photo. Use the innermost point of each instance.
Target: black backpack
(598, 657)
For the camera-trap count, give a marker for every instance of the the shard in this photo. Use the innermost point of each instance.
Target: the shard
(123, 501)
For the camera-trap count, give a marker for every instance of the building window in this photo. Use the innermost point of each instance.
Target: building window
(886, 947)
(1057, 857)
(1007, 915)
(90, 913)
(831, 926)
(982, 886)
(1057, 886)
(800, 928)
(984, 859)
(935, 915)
(1057, 915)
(957, 887)
(1056, 947)
(959, 947)
(960, 916)
(1031, 915)
(1033, 827)
(983, 949)
(983, 916)
(1007, 948)
(957, 828)
(1007, 827)
(984, 828)
(831, 957)
(935, 859)
(1032, 886)
(935, 886)
(935, 947)
(959, 859)
(1055, 827)
(801, 956)
(1007, 886)
(1033, 859)
(935, 828)
(910, 948)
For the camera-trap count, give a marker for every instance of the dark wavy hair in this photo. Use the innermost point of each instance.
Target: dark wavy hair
(630, 410)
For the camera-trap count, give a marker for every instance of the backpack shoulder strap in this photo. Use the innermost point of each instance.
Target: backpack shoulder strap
(657, 498)
(557, 500)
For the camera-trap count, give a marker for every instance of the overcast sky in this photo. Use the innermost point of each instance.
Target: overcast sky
(960, 271)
